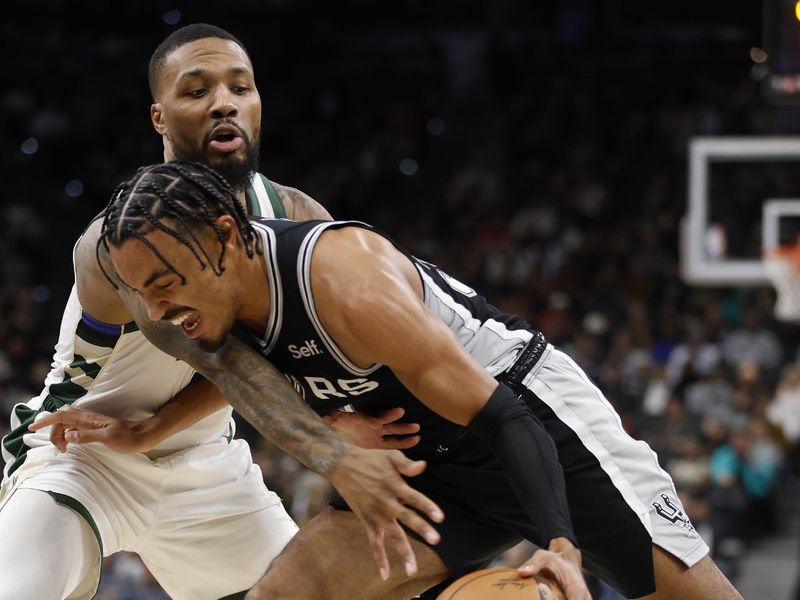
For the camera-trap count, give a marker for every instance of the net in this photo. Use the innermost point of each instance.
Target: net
(783, 269)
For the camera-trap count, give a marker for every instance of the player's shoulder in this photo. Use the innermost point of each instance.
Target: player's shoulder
(298, 205)
(86, 244)
(355, 242)
(96, 293)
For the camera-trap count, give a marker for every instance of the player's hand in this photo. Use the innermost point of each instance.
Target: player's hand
(370, 431)
(372, 484)
(82, 427)
(561, 561)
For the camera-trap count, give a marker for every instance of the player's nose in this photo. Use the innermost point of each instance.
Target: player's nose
(224, 104)
(156, 309)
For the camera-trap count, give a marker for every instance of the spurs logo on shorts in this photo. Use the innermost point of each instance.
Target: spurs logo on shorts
(670, 510)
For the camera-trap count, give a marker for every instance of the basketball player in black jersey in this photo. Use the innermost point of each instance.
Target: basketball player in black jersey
(352, 320)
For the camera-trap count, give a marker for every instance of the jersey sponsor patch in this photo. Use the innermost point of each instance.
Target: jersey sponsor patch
(669, 509)
(304, 350)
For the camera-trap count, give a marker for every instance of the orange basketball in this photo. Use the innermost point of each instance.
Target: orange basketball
(502, 583)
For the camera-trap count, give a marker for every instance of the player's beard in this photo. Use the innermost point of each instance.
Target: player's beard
(237, 172)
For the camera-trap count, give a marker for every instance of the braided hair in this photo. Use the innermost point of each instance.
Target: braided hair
(188, 194)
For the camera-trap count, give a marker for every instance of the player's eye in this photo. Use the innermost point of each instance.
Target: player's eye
(163, 286)
(196, 93)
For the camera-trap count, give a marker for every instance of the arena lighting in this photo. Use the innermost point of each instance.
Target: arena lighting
(74, 188)
(435, 125)
(30, 146)
(757, 55)
(172, 17)
(408, 166)
(780, 77)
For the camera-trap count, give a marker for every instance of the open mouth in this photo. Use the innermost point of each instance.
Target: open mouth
(225, 138)
(188, 322)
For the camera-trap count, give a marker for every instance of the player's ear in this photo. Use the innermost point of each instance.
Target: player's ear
(157, 118)
(228, 227)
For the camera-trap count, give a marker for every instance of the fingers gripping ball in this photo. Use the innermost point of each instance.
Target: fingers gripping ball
(500, 583)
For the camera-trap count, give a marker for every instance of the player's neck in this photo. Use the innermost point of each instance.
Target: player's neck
(256, 301)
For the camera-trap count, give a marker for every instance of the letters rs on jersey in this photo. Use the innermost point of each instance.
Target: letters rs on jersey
(296, 342)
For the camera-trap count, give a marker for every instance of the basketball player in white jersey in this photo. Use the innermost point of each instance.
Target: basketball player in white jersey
(520, 443)
(184, 494)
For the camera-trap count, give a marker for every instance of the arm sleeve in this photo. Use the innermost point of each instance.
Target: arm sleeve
(528, 457)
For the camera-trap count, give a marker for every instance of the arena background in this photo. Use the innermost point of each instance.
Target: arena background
(536, 150)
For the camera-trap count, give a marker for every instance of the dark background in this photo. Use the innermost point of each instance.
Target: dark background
(527, 92)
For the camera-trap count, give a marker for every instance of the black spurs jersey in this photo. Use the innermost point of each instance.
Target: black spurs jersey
(297, 344)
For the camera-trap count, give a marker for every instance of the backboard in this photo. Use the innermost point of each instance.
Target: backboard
(726, 230)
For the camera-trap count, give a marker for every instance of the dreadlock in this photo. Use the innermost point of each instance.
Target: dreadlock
(187, 193)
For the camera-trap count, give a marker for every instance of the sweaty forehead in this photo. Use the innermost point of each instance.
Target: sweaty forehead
(207, 56)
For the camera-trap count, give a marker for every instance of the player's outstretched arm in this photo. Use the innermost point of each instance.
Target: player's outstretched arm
(194, 402)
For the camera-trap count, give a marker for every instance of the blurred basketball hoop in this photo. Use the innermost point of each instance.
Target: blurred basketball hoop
(782, 265)
(705, 256)
(705, 249)
(781, 256)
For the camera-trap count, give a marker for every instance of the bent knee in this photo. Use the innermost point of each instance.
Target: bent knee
(701, 581)
(285, 581)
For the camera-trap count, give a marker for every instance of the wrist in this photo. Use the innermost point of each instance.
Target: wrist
(146, 433)
(562, 544)
(334, 464)
(567, 549)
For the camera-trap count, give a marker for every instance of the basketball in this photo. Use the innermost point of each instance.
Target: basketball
(502, 583)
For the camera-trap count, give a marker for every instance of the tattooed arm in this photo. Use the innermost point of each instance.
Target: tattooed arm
(371, 481)
(300, 206)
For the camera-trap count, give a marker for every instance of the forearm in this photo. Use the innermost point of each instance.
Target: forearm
(193, 403)
(528, 456)
(263, 396)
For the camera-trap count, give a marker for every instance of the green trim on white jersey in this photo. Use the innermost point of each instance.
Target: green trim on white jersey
(79, 376)
(79, 508)
(263, 200)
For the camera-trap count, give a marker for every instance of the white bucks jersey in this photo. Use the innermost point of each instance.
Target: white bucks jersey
(114, 370)
(111, 369)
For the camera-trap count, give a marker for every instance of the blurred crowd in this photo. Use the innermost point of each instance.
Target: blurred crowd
(534, 161)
